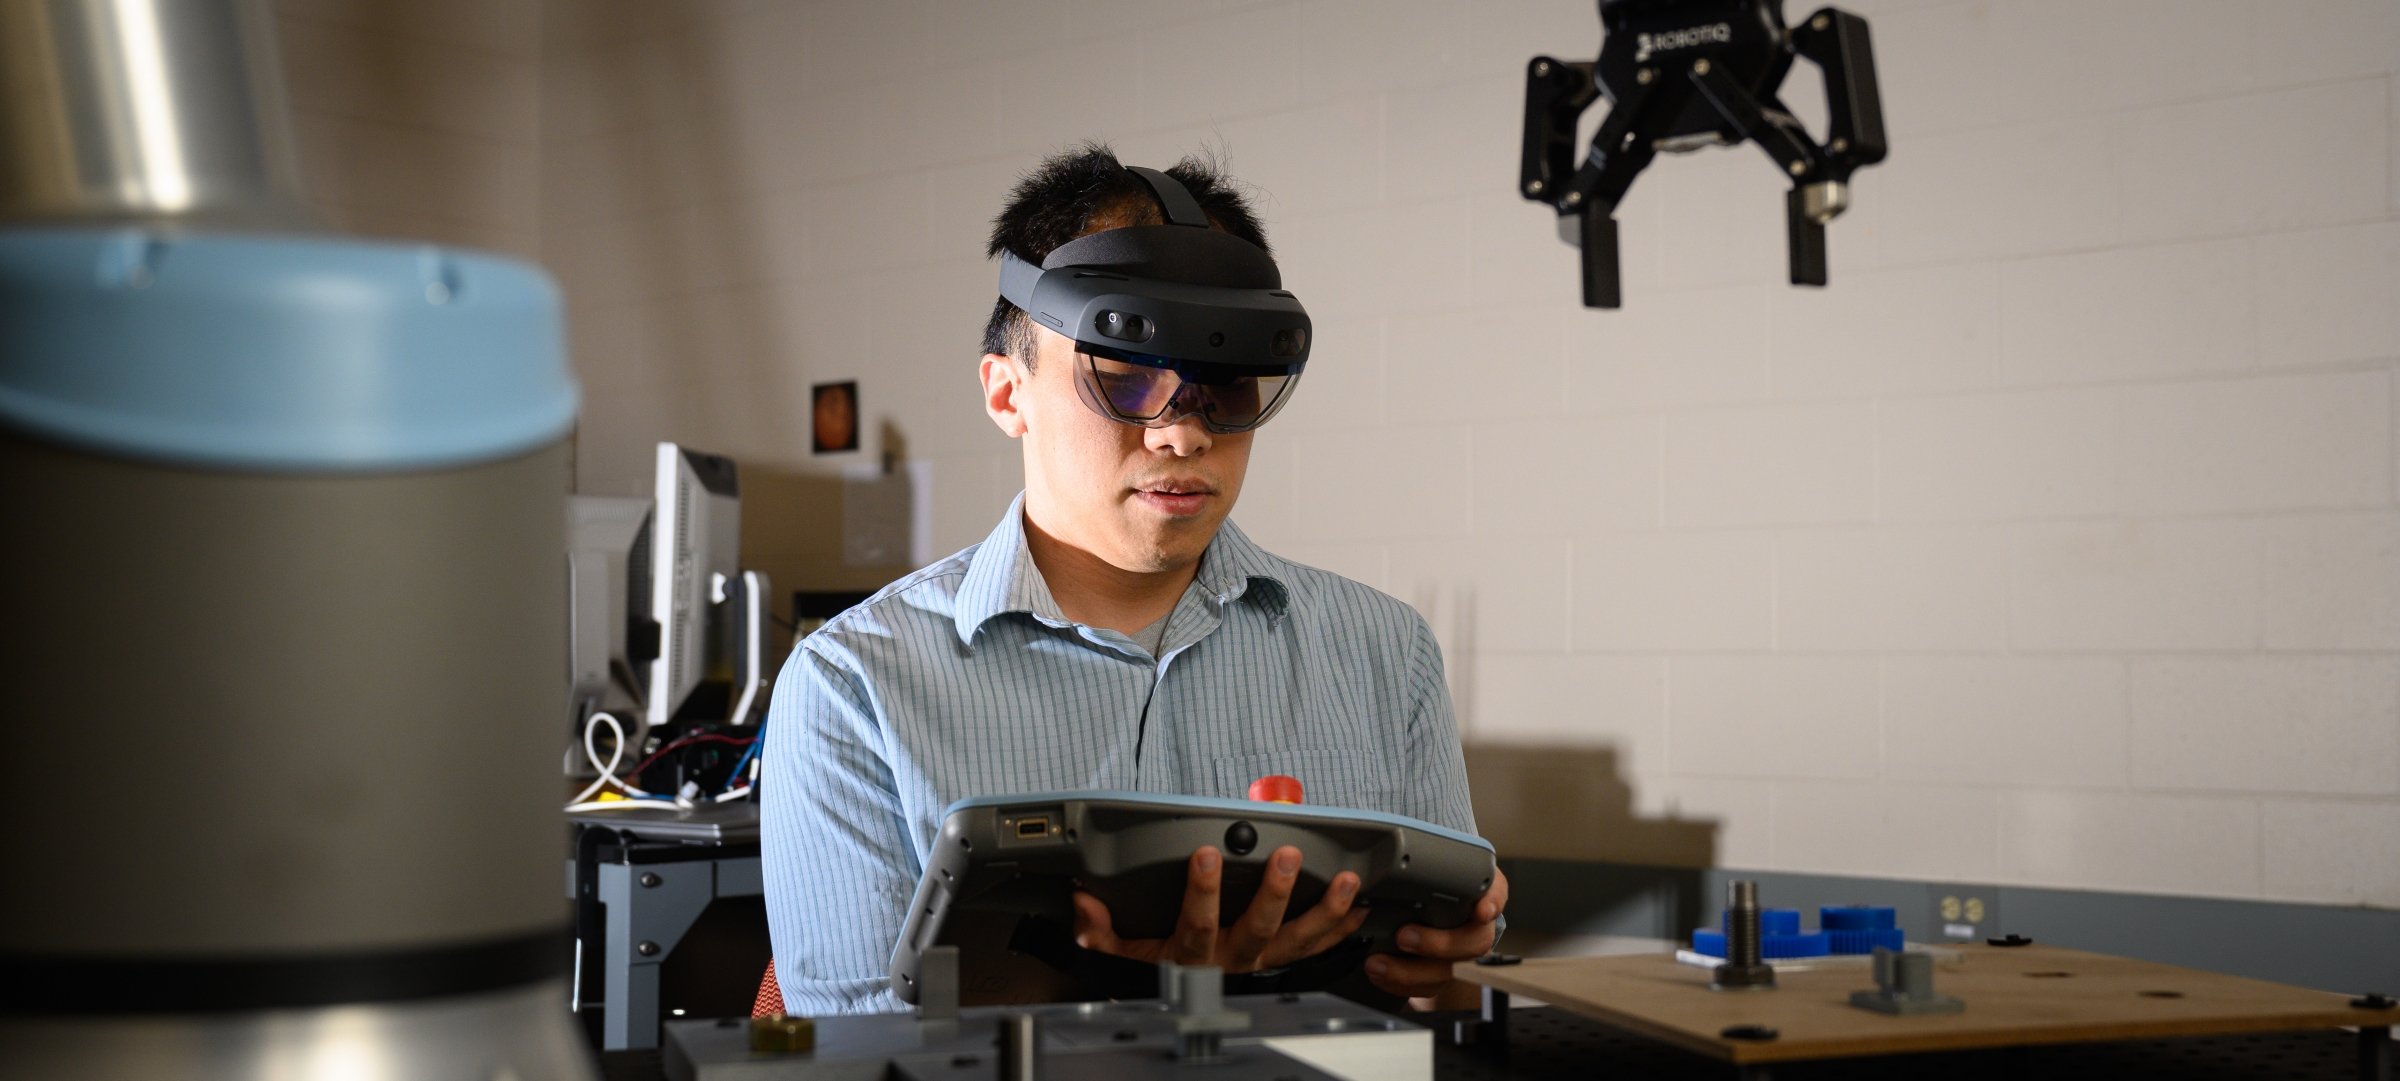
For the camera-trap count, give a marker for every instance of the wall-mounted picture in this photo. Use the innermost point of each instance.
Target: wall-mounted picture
(835, 419)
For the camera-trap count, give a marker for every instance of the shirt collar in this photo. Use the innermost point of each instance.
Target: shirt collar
(1001, 577)
(1233, 564)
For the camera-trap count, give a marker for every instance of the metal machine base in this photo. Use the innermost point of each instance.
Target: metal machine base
(1305, 1037)
(636, 901)
(521, 1034)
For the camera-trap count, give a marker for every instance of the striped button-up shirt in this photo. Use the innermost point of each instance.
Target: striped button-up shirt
(965, 679)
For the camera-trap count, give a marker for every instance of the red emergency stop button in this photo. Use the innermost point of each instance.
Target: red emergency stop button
(1276, 788)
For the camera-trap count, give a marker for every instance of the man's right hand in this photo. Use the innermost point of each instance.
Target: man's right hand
(1261, 938)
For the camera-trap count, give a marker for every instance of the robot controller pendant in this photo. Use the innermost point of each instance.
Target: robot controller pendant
(1685, 74)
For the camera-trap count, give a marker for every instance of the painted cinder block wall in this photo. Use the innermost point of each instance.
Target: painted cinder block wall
(419, 119)
(2055, 544)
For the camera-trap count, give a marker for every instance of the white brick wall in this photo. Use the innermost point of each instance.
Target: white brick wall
(2128, 841)
(2000, 457)
(2127, 313)
(2329, 296)
(1572, 701)
(1773, 716)
(2332, 583)
(1681, 591)
(2058, 542)
(1911, 829)
(1962, 720)
(2316, 725)
(1875, 589)
(2181, 584)
(1803, 464)
(2321, 850)
(418, 120)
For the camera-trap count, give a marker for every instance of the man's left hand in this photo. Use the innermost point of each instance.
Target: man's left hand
(1423, 970)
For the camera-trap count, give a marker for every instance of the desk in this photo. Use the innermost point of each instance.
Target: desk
(2021, 998)
(637, 903)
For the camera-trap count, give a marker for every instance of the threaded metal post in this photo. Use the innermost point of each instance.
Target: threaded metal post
(1020, 1047)
(1742, 934)
(1745, 969)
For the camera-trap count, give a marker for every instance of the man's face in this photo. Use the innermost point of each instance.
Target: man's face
(1141, 499)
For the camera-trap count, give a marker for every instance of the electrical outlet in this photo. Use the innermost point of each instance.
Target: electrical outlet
(1963, 913)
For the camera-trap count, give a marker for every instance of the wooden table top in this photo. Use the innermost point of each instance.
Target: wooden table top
(2014, 996)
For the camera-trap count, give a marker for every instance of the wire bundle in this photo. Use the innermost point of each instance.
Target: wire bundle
(740, 782)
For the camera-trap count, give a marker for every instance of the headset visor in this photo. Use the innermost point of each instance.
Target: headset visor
(1154, 392)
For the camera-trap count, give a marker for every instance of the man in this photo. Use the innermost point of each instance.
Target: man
(1115, 631)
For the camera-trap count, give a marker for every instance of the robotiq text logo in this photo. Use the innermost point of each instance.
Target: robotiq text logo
(1714, 34)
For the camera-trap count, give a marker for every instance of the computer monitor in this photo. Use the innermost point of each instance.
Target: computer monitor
(710, 614)
(610, 642)
(664, 630)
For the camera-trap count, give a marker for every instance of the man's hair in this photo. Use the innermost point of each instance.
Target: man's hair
(1086, 190)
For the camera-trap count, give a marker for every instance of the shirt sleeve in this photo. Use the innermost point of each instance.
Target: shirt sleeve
(1437, 788)
(834, 846)
(1439, 781)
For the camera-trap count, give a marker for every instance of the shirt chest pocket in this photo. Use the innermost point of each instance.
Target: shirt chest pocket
(1329, 777)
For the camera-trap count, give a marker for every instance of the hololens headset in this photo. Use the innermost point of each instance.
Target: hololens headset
(1171, 320)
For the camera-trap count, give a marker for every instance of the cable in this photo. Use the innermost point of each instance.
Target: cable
(608, 772)
(746, 761)
(735, 777)
(751, 759)
(635, 797)
(583, 801)
(687, 741)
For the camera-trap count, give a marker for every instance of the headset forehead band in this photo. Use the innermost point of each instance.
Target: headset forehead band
(1183, 291)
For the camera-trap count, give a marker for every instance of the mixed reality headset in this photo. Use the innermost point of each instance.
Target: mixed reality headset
(1170, 320)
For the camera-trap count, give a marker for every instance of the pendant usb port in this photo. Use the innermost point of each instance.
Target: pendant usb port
(1033, 827)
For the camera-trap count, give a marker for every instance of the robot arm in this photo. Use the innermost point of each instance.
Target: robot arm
(1686, 74)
